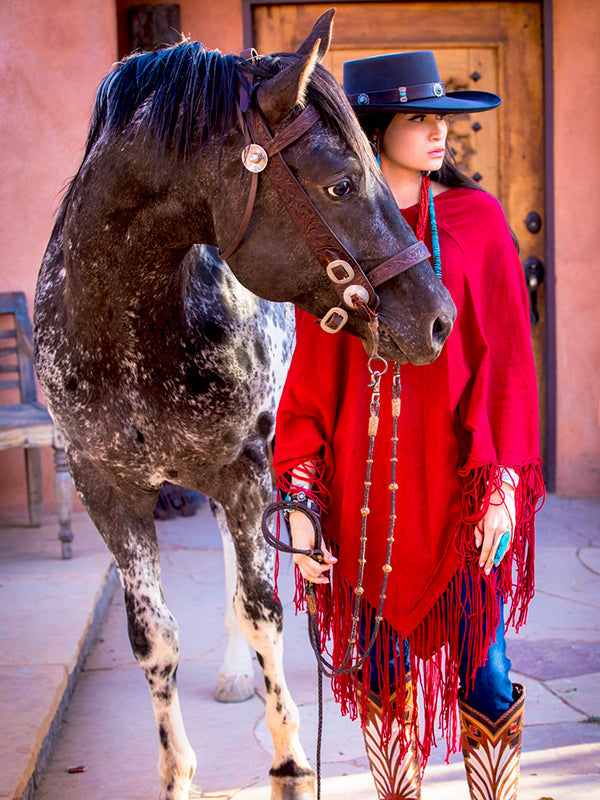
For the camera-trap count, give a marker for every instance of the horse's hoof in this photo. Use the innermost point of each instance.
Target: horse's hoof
(234, 688)
(288, 788)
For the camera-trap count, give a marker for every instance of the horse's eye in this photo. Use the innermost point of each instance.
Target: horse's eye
(340, 189)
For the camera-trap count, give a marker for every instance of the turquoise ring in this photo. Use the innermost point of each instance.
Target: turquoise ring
(503, 545)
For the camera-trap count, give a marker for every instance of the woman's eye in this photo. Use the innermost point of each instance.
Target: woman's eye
(340, 189)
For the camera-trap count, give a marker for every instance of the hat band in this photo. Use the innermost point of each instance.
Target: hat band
(402, 94)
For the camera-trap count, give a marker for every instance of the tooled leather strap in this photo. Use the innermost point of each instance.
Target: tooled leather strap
(402, 261)
(283, 139)
(322, 240)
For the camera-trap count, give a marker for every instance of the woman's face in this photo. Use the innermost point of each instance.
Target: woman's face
(415, 141)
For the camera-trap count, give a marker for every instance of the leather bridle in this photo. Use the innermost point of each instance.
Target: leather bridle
(355, 288)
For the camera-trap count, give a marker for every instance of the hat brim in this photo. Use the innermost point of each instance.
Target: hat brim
(451, 103)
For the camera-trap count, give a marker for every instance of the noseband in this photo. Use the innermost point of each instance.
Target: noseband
(355, 288)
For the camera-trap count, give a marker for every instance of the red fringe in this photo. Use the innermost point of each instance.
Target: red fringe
(435, 649)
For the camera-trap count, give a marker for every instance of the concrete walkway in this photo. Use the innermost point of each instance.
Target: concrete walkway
(50, 614)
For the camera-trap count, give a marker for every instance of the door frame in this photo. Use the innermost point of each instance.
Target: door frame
(548, 137)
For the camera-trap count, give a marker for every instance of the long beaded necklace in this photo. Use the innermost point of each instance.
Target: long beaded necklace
(425, 214)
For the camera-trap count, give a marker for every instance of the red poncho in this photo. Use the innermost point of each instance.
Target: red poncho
(463, 418)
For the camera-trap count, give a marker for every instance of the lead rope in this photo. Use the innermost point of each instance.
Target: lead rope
(426, 209)
(377, 368)
(324, 667)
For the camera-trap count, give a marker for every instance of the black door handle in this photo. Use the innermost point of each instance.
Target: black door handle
(534, 276)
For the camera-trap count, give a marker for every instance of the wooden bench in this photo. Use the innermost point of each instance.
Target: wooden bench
(28, 424)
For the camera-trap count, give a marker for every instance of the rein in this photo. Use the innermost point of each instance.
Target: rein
(263, 152)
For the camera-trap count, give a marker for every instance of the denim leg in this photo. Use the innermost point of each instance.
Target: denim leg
(492, 692)
(382, 653)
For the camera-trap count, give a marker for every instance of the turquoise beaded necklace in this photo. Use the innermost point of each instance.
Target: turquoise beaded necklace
(435, 241)
(427, 209)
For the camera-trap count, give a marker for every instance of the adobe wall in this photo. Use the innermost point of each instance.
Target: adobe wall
(52, 58)
(577, 204)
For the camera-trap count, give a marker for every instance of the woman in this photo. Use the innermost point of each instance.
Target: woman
(468, 467)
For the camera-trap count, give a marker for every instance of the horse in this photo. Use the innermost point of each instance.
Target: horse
(142, 349)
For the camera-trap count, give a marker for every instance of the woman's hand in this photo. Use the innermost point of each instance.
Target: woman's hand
(303, 538)
(499, 517)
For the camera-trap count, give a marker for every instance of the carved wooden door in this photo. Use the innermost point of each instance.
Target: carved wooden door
(478, 45)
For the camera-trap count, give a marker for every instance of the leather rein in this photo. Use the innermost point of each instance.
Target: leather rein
(355, 288)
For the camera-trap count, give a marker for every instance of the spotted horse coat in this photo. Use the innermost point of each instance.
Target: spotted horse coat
(207, 425)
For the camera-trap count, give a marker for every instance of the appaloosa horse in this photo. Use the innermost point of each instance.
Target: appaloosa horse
(143, 347)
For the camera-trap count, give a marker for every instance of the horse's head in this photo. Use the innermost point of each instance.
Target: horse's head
(281, 258)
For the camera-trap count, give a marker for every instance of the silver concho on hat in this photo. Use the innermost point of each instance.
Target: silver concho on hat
(438, 89)
(254, 158)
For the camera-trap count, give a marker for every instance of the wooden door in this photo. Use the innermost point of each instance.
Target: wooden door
(489, 46)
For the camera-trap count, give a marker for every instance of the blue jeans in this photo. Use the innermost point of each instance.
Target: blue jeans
(492, 692)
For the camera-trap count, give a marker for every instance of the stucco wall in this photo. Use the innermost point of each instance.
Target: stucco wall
(217, 24)
(577, 171)
(52, 57)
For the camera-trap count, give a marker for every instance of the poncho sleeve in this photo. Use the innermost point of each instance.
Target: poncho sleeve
(495, 389)
(307, 412)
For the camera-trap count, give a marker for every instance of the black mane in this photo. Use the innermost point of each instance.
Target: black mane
(186, 93)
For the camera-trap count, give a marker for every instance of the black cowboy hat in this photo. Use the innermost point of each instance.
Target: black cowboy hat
(404, 82)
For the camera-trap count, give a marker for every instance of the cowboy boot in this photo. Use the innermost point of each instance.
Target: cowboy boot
(492, 750)
(397, 774)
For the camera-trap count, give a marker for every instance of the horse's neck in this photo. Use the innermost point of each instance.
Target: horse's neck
(127, 229)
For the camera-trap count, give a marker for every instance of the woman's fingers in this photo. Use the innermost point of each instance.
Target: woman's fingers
(303, 538)
(312, 570)
(494, 542)
(494, 533)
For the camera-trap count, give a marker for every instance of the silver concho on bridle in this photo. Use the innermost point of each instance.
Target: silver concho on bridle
(254, 158)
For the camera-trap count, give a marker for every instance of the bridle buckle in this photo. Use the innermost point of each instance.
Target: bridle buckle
(334, 320)
(339, 271)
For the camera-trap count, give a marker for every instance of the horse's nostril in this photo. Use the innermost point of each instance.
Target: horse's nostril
(440, 329)
(437, 326)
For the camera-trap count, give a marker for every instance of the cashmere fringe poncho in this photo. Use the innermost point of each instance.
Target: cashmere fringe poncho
(463, 418)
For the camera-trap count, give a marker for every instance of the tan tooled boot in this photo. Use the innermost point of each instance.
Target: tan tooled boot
(492, 750)
(397, 775)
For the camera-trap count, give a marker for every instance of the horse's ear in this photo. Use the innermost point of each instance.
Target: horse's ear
(280, 94)
(321, 30)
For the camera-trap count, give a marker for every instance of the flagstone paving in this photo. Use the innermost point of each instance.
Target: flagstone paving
(61, 716)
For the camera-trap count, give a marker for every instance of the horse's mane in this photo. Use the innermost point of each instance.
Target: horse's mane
(182, 95)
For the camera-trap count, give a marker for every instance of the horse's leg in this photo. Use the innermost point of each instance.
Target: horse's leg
(127, 526)
(260, 618)
(236, 676)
